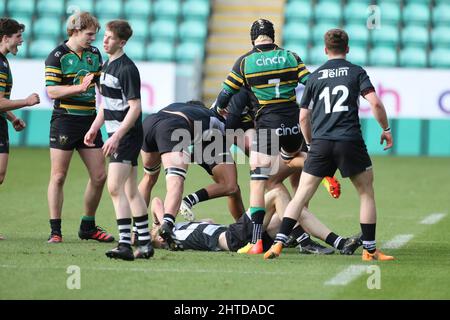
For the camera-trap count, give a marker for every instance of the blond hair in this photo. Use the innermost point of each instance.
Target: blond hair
(81, 21)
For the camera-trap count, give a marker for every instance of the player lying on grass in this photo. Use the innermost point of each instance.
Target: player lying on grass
(208, 236)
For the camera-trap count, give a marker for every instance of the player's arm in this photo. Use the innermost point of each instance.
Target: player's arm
(17, 123)
(305, 125)
(90, 136)
(231, 86)
(7, 104)
(380, 115)
(303, 72)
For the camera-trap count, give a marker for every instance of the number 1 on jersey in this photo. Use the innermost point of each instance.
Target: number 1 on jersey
(338, 107)
(277, 86)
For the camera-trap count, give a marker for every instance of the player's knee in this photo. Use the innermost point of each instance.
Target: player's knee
(2, 178)
(232, 189)
(152, 170)
(99, 179)
(114, 189)
(59, 178)
(260, 173)
(175, 177)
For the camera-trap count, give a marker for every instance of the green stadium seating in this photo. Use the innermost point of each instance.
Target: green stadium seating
(26, 21)
(417, 14)
(41, 48)
(383, 56)
(440, 37)
(135, 49)
(53, 8)
(140, 28)
(21, 7)
(413, 57)
(415, 36)
(358, 55)
(296, 32)
(166, 8)
(300, 50)
(441, 15)
(190, 52)
(356, 12)
(328, 11)
(358, 34)
(298, 11)
(427, 2)
(386, 35)
(195, 9)
(317, 55)
(390, 14)
(319, 30)
(47, 27)
(111, 9)
(79, 5)
(2, 7)
(160, 51)
(194, 30)
(163, 29)
(137, 9)
(440, 58)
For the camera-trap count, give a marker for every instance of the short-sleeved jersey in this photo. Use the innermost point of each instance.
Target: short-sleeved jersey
(64, 67)
(199, 235)
(272, 74)
(332, 92)
(241, 110)
(6, 80)
(120, 82)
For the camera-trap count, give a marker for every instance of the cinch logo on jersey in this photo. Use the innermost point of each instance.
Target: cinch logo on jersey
(270, 61)
(333, 73)
(286, 131)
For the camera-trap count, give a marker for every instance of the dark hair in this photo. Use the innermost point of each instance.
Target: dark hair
(8, 27)
(196, 103)
(336, 40)
(120, 28)
(262, 27)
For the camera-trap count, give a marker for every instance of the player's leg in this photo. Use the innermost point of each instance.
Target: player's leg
(3, 166)
(59, 165)
(95, 163)
(152, 166)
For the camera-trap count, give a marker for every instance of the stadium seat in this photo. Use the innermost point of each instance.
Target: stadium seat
(356, 12)
(319, 30)
(358, 55)
(41, 48)
(166, 8)
(81, 5)
(417, 36)
(300, 50)
(441, 15)
(111, 9)
(300, 11)
(383, 56)
(296, 32)
(26, 21)
(21, 7)
(440, 58)
(440, 37)
(386, 35)
(160, 51)
(413, 57)
(416, 14)
(390, 14)
(47, 27)
(53, 8)
(137, 9)
(426, 2)
(140, 28)
(194, 30)
(164, 29)
(328, 11)
(135, 49)
(195, 9)
(188, 51)
(358, 34)
(317, 55)
(2, 7)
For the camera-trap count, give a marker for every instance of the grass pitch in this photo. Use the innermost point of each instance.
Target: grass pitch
(407, 191)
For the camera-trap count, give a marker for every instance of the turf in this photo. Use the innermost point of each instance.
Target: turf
(407, 190)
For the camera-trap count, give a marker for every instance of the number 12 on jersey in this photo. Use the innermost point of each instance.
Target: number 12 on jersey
(338, 107)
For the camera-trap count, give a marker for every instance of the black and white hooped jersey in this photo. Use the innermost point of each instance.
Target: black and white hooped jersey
(332, 92)
(199, 235)
(120, 82)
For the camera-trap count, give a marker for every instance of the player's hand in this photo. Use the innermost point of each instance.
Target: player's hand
(32, 99)
(110, 146)
(222, 112)
(86, 82)
(89, 138)
(387, 136)
(19, 124)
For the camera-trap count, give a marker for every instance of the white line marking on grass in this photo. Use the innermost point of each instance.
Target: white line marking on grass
(398, 241)
(433, 218)
(347, 275)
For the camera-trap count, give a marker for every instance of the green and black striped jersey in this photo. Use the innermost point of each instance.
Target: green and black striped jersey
(6, 80)
(64, 67)
(272, 74)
